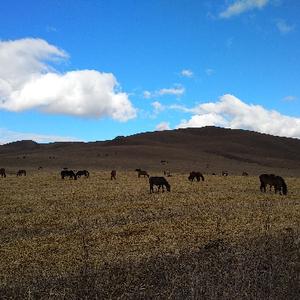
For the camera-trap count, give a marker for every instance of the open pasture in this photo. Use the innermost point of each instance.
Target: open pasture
(105, 238)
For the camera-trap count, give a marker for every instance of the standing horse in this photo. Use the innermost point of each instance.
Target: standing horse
(113, 175)
(21, 173)
(197, 175)
(68, 173)
(160, 182)
(224, 173)
(273, 180)
(2, 172)
(245, 174)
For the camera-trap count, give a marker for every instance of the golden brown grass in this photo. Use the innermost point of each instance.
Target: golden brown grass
(113, 239)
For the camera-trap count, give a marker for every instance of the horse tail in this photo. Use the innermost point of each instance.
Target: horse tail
(284, 187)
(202, 177)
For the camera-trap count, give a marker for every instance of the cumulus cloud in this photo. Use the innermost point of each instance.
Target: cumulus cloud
(7, 136)
(163, 126)
(241, 6)
(283, 27)
(231, 112)
(187, 73)
(175, 91)
(28, 80)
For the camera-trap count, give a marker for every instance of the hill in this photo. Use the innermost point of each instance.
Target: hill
(209, 149)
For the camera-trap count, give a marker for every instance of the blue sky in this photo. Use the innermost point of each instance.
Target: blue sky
(93, 70)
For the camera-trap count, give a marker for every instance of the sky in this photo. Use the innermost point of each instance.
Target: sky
(92, 70)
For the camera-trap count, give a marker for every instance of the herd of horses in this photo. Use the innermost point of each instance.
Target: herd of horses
(271, 180)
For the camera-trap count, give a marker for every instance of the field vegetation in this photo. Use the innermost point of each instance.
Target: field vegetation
(97, 238)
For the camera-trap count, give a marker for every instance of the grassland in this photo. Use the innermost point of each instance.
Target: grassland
(97, 238)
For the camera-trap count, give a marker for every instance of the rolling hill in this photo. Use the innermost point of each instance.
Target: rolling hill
(208, 149)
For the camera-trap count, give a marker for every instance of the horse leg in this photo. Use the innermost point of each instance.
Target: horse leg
(151, 188)
(159, 187)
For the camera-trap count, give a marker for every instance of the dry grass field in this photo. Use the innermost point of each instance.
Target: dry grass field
(97, 238)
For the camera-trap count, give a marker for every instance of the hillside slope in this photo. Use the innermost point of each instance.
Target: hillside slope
(209, 149)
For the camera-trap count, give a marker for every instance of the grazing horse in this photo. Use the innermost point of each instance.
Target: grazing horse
(21, 173)
(113, 175)
(142, 173)
(196, 175)
(160, 182)
(2, 172)
(83, 173)
(68, 173)
(245, 174)
(224, 173)
(273, 180)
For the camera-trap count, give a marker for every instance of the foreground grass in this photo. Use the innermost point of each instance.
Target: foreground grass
(95, 237)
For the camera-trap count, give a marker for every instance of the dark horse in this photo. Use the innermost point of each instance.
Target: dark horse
(83, 173)
(113, 175)
(21, 173)
(224, 173)
(2, 172)
(245, 174)
(142, 173)
(68, 173)
(161, 182)
(273, 180)
(196, 175)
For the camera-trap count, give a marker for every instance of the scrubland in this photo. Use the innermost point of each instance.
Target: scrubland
(101, 239)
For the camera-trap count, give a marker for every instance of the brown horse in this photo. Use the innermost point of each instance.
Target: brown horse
(245, 174)
(142, 173)
(113, 175)
(21, 173)
(224, 173)
(68, 173)
(2, 172)
(273, 180)
(160, 182)
(197, 175)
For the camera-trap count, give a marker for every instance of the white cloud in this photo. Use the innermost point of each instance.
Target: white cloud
(163, 126)
(187, 73)
(283, 27)
(7, 136)
(177, 91)
(147, 94)
(241, 6)
(158, 107)
(28, 80)
(231, 112)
